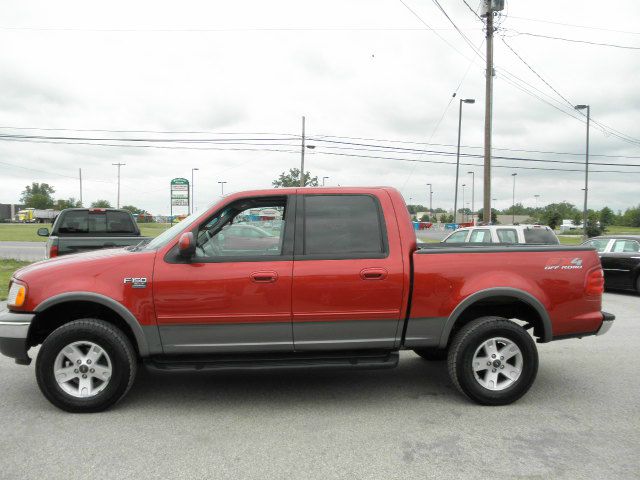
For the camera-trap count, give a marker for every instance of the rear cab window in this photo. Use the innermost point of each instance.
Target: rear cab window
(540, 236)
(600, 244)
(341, 226)
(96, 222)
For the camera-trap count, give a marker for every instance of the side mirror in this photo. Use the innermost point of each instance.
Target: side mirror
(43, 232)
(187, 245)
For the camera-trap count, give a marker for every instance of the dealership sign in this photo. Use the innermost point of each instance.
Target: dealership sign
(179, 192)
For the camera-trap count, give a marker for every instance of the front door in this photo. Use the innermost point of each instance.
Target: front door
(235, 294)
(348, 274)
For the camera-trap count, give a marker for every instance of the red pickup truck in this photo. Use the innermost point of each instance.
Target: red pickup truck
(344, 286)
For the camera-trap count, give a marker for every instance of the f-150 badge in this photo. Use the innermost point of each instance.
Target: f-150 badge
(564, 264)
(136, 282)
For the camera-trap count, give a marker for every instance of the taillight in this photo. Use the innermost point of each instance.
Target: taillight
(595, 283)
(53, 251)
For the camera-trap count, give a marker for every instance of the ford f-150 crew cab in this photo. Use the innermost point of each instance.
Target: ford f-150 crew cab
(343, 285)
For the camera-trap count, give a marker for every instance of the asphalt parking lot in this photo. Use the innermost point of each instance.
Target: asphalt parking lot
(580, 420)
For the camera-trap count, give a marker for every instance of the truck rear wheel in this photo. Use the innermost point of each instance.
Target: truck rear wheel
(431, 354)
(493, 361)
(86, 366)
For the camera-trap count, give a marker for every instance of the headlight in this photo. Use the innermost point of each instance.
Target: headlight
(17, 294)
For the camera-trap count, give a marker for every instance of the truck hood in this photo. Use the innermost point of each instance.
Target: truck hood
(90, 259)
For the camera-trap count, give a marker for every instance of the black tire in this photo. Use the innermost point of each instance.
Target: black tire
(464, 346)
(432, 354)
(112, 340)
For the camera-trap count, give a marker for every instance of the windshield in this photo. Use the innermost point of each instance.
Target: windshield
(167, 235)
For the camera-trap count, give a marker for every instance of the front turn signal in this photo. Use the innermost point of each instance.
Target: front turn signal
(17, 295)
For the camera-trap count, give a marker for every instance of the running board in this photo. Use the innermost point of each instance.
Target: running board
(331, 360)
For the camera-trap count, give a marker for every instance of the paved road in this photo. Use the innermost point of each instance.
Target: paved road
(580, 420)
(28, 251)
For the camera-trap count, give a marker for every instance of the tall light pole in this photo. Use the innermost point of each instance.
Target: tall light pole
(193, 192)
(473, 196)
(513, 207)
(536, 197)
(463, 211)
(118, 165)
(222, 187)
(430, 201)
(323, 179)
(455, 201)
(586, 171)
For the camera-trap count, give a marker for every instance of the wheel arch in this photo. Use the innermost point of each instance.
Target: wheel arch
(507, 301)
(74, 305)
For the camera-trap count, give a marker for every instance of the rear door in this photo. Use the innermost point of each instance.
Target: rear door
(347, 274)
(619, 262)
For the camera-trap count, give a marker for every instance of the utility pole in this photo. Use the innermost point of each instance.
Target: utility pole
(118, 165)
(80, 178)
(586, 172)
(192, 197)
(487, 10)
(430, 201)
(464, 212)
(222, 186)
(302, 156)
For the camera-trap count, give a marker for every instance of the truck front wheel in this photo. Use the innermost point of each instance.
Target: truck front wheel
(493, 361)
(86, 366)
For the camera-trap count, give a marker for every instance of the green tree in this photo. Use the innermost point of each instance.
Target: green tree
(38, 195)
(425, 218)
(607, 217)
(631, 217)
(593, 228)
(292, 179)
(494, 216)
(62, 203)
(101, 204)
(577, 219)
(553, 219)
(135, 210)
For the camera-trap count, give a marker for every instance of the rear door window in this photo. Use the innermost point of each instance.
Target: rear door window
(626, 246)
(480, 236)
(457, 237)
(507, 235)
(343, 226)
(540, 236)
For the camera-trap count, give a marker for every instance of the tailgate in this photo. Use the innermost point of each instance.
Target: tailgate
(69, 245)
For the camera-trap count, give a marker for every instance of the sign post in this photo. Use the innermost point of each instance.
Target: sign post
(180, 194)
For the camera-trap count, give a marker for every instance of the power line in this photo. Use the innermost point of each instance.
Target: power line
(464, 37)
(573, 25)
(573, 40)
(472, 10)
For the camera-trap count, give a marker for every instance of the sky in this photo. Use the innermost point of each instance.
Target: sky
(125, 82)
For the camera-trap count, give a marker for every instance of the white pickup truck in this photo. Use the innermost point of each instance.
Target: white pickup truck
(526, 234)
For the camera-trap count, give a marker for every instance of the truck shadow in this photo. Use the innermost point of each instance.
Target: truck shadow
(414, 378)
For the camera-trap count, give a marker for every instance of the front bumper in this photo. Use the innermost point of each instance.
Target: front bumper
(14, 329)
(607, 323)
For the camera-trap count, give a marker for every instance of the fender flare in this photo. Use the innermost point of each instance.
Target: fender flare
(498, 292)
(125, 314)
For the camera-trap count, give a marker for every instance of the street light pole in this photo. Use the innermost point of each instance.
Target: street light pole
(536, 196)
(473, 196)
(323, 179)
(586, 171)
(193, 192)
(513, 203)
(118, 165)
(222, 186)
(455, 201)
(430, 201)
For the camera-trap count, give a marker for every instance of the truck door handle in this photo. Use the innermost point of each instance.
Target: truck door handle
(264, 277)
(373, 274)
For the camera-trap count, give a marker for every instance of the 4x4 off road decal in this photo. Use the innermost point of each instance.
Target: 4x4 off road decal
(564, 264)
(136, 282)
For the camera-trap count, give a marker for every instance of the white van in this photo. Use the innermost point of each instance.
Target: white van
(525, 234)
